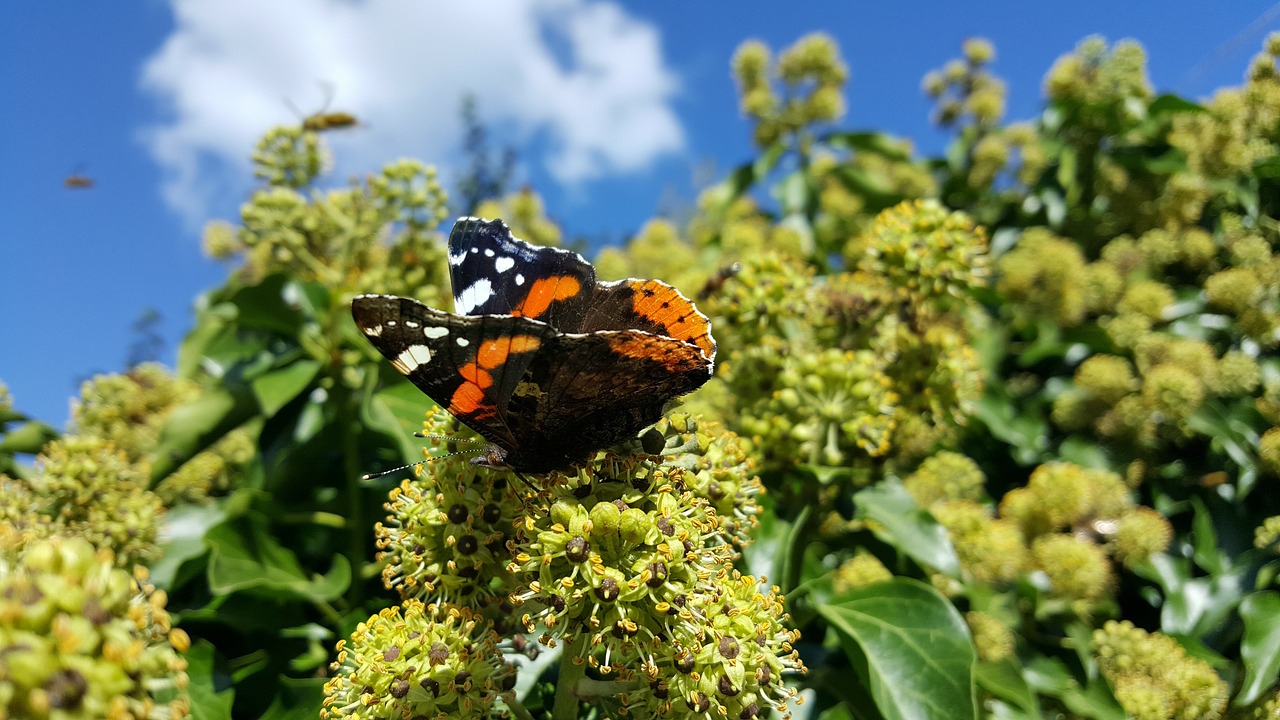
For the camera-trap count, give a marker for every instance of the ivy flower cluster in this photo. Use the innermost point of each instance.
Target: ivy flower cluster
(86, 487)
(965, 90)
(804, 88)
(840, 369)
(337, 237)
(1065, 529)
(624, 562)
(130, 409)
(82, 638)
(1153, 676)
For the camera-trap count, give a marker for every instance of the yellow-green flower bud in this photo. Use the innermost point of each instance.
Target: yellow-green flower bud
(1077, 569)
(992, 638)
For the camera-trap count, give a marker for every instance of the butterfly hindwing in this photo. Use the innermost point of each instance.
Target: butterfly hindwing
(617, 382)
(495, 273)
(654, 307)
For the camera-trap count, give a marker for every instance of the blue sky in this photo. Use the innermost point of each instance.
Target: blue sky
(612, 105)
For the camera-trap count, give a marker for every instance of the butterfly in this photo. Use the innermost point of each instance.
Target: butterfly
(542, 360)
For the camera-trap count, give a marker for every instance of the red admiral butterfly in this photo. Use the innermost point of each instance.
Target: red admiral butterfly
(543, 361)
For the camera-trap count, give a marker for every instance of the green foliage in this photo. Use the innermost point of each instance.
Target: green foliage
(1004, 425)
(19, 435)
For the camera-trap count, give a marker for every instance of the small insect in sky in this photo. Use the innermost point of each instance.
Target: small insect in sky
(717, 281)
(323, 120)
(77, 180)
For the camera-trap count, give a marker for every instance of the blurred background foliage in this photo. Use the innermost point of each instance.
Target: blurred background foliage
(1015, 411)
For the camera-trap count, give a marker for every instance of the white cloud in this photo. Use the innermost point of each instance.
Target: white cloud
(582, 75)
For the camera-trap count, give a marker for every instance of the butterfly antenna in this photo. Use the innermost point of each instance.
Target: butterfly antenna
(383, 473)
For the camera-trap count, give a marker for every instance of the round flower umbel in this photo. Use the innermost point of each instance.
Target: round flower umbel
(86, 487)
(609, 555)
(446, 535)
(826, 408)
(1151, 671)
(615, 557)
(717, 468)
(726, 657)
(81, 638)
(418, 660)
(925, 252)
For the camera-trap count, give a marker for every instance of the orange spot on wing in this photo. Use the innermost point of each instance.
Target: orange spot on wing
(469, 399)
(493, 353)
(545, 291)
(472, 373)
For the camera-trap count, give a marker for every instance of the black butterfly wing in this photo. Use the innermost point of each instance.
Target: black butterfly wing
(495, 273)
(469, 365)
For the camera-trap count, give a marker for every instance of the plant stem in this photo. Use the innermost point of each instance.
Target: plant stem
(355, 510)
(566, 704)
(519, 710)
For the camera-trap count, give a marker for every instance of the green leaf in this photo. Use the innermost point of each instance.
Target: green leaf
(872, 186)
(1169, 103)
(790, 558)
(279, 387)
(1193, 605)
(743, 178)
(1260, 646)
(195, 426)
(299, 699)
(183, 532)
(1004, 680)
(794, 193)
(271, 305)
(399, 407)
(1205, 540)
(207, 701)
(911, 648)
(878, 143)
(211, 323)
(28, 438)
(244, 556)
(1068, 160)
(1093, 701)
(907, 527)
(1026, 433)
(1268, 167)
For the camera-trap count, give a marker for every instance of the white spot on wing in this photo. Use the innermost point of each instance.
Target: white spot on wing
(410, 323)
(435, 332)
(462, 342)
(504, 264)
(519, 279)
(488, 252)
(456, 260)
(374, 331)
(412, 357)
(474, 296)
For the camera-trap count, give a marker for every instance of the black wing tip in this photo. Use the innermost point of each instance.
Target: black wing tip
(470, 223)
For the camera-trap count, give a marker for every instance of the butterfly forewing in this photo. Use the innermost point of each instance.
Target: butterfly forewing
(468, 365)
(495, 273)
